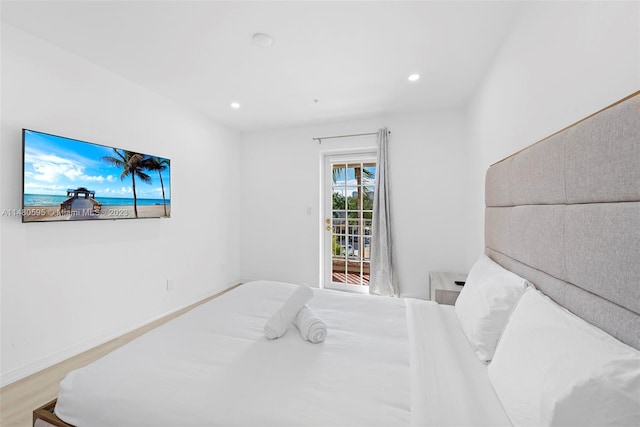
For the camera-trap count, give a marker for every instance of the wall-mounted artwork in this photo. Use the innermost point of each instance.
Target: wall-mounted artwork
(67, 179)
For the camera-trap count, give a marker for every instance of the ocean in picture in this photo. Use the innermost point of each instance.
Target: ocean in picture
(49, 200)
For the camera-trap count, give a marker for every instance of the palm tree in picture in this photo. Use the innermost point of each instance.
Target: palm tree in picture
(159, 164)
(133, 165)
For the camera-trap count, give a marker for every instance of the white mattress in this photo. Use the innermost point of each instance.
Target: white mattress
(213, 366)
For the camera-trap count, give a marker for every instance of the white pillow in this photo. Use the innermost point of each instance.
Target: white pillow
(552, 368)
(485, 304)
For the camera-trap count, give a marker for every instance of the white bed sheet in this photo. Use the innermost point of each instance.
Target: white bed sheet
(384, 362)
(213, 366)
(449, 384)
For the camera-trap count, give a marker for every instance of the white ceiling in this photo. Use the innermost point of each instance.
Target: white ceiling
(353, 56)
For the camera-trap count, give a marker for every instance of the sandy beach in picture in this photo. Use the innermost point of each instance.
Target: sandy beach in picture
(52, 213)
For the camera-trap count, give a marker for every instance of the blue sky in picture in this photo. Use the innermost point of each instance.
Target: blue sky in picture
(53, 164)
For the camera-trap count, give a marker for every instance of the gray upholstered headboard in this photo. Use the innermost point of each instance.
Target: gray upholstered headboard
(565, 214)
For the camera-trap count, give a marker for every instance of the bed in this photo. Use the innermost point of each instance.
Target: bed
(562, 224)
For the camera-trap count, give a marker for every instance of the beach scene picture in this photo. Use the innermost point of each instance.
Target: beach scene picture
(66, 179)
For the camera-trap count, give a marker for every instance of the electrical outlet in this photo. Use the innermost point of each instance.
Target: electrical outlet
(170, 285)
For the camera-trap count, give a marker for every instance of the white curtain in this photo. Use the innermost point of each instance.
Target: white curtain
(382, 280)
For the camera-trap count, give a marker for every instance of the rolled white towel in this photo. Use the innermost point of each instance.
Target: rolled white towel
(311, 327)
(277, 324)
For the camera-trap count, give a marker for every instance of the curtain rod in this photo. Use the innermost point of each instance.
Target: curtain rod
(319, 139)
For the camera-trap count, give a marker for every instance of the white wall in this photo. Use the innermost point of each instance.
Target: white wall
(563, 61)
(281, 183)
(69, 286)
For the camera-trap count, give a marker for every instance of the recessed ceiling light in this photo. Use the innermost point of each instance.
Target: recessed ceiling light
(414, 77)
(235, 105)
(262, 39)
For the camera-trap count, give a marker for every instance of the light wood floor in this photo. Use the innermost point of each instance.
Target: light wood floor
(19, 399)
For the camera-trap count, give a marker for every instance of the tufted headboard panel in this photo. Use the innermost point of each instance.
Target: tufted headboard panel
(564, 213)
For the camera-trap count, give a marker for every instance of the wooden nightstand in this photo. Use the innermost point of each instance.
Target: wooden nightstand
(442, 287)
